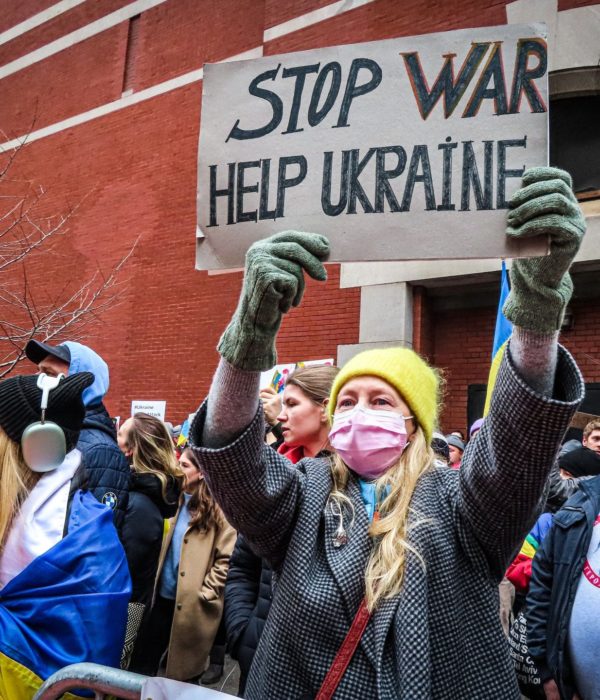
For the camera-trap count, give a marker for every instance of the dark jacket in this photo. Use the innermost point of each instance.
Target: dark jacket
(106, 467)
(440, 638)
(247, 603)
(143, 530)
(556, 572)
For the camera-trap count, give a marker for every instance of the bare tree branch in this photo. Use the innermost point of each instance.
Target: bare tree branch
(26, 309)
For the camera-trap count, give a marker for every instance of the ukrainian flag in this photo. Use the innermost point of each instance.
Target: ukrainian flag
(501, 335)
(69, 605)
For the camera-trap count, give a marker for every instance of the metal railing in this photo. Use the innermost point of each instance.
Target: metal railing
(102, 680)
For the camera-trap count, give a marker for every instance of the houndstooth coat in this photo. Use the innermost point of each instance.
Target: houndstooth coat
(441, 636)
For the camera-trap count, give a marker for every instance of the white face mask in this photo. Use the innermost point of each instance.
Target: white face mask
(368, 441)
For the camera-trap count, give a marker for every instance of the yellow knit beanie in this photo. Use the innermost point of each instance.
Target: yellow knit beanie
(415, 381)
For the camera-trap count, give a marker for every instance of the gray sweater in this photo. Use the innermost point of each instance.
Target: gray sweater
(441, 636)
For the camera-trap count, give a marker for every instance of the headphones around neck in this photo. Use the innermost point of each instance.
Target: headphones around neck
(43, 443)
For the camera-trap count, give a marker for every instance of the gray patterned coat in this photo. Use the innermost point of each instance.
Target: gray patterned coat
(441, 636)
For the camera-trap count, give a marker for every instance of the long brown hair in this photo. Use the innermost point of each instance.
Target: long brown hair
(153, 452)
(204, 510)
(315, 381)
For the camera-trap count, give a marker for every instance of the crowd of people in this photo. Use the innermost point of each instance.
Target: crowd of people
(329, 536)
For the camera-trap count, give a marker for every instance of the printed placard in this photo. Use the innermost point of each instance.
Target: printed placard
(153, 408)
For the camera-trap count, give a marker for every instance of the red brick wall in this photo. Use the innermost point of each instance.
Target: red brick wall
(134, 174)
(583, 340)
(463, 345)
(179, 36)
(80, 78)
(572, 4)
(385, 19)
(463, 342)
(423, 338)
(12, 13)
(53, 29)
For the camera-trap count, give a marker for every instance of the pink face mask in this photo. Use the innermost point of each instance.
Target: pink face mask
(370, 442)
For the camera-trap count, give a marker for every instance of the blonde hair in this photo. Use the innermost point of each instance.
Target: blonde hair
(153, 452)
(16, 481)
(384, 575)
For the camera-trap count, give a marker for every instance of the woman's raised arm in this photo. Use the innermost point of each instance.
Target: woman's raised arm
(256, 488)
(539, 387)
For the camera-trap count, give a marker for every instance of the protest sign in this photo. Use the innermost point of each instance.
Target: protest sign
(153, 408)
(276, 377)
(396, 150)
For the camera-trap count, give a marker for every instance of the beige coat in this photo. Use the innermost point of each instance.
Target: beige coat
(203, 569)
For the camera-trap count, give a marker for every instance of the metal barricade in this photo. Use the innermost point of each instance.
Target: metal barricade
(102, 680)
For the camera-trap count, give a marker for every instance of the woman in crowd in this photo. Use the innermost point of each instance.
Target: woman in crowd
(304, 425)
(155, 484)
(303, 420)
(63, 571)
(416, 580)
(188, 602)
(456, 448)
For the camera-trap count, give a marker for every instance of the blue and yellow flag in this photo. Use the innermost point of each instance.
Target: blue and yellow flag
(69, 605)
(501, 335)
(182, 440)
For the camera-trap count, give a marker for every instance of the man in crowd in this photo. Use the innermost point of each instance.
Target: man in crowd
(106, 467)
(563, 626)
(585, 459)
(591, 435)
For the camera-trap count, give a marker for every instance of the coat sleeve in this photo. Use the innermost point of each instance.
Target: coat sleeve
(538, 604)
(505, 467)
(258, 490)
(241, 591)
(142, 529)
(214, 580)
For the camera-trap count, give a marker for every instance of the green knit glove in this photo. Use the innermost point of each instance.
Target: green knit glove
(541, 287)
(273, 283)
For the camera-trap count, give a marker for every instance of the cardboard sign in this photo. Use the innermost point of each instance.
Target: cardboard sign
(153, 408)
(580, 420)
(403, 149)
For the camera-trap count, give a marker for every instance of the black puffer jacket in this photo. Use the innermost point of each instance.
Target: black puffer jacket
(106, 467)
(247, 603)
(143, 530)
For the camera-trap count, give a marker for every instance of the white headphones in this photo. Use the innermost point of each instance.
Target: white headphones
(43, 443)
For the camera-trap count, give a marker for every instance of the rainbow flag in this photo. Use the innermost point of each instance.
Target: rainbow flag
(501, 335)
(69, 605)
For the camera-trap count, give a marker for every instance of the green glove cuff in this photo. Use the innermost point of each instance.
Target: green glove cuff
(536, 308)
(245, 346)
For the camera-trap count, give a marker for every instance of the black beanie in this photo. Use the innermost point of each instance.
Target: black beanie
(21, 400)
(580, 462)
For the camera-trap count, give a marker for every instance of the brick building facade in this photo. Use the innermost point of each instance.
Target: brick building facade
(109, 92)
